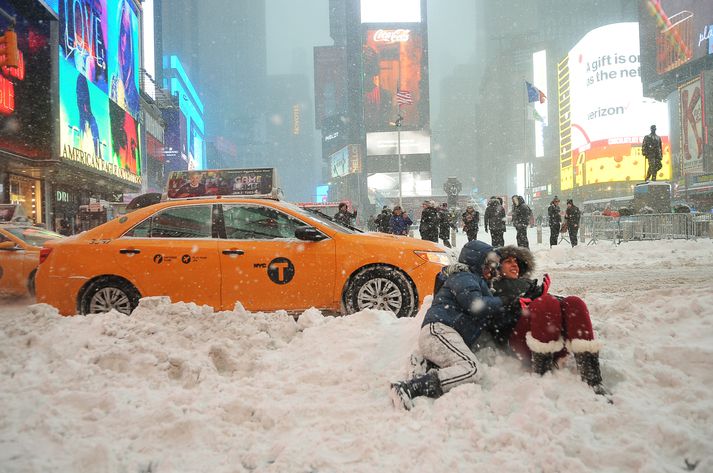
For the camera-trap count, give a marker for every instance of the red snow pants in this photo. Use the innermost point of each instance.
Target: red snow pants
(549, 319)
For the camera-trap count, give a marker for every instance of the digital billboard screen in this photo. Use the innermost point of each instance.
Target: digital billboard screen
(99, 85)
(674, 33)
(394, 60)
(25, 105)
(607, 114)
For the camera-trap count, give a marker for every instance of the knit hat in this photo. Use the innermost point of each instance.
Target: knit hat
(569, 201)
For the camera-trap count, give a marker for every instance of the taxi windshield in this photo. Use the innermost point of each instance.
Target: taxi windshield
(323, 219)
(34, 236)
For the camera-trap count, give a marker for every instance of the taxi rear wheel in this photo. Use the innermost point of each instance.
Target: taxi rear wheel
(108, 293)
(382, 288)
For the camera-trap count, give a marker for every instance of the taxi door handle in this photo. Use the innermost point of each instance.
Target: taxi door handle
(124, 251)
(233, 252)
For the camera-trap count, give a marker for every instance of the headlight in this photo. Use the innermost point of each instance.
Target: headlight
(434, 257)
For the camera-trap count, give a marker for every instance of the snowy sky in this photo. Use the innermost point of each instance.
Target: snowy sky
(179, 388)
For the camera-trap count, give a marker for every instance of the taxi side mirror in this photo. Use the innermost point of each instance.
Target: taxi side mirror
(8, 245)
(308, 233)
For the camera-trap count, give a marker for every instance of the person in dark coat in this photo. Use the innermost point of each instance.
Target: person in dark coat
(462, 309)
(521, 215)
(471, 218)
(400, 222)
(383, 219)
(572, 215)
(444, 224)
(550, 326)
(429, 222)
(652, 150)
(555, 220)
(494, 219)
(344, 217)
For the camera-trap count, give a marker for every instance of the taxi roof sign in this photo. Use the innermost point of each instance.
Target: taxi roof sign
(254, 182)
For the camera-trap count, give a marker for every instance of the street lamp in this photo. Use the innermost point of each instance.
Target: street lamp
(397, 124)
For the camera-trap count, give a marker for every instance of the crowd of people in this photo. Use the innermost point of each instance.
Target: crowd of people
(436, 221)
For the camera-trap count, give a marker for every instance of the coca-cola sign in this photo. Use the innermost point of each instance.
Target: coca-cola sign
(392, 36)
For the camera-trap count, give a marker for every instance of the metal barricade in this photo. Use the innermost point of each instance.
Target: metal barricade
(646, 227)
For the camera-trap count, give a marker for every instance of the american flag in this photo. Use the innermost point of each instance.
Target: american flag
(403, 97)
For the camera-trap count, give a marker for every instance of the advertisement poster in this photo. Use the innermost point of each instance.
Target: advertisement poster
(609, 115)
(99, 94)
(25, 101)
(692, 126)
(394, 60)
(245, 182)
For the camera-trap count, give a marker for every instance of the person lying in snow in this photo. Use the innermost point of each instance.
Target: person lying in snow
(547, 327)
(521, 315)
(462, 309)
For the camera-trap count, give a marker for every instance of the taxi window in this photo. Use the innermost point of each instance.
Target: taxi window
(256, 222)
(193, 221)
(34, 236)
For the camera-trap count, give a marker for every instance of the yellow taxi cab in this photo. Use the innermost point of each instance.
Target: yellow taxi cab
(217, 250)
(19, 256)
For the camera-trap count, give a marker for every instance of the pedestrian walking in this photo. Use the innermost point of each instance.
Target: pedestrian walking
(471, 218)
(429, 222)
(343, 216)
(572, 215)
(383, 219)
(494, 220)
(521, 215)
(399, 222)
(444, 225)
(555, 220)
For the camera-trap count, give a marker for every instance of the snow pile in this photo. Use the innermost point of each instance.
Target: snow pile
(181, 388)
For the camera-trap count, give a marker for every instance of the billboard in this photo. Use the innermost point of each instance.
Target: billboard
(25, 100)
(394, 60)
(674, 33)
(99, 85)
(603, 111)
(692, 126)
(393, 11)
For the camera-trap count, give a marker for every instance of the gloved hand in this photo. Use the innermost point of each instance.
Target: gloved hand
(524, 302)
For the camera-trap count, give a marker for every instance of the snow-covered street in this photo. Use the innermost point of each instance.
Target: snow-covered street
(179, 388)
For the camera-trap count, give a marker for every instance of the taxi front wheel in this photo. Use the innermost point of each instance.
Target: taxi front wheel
(107, 293)
(382, 288)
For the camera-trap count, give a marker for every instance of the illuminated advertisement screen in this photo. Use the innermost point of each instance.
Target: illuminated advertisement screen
(675, 33)
(391, 11)
(394, 60)
(99, 86)
(607, 112)
(25, 107)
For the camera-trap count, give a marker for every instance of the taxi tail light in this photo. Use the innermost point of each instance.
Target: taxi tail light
(44, 254)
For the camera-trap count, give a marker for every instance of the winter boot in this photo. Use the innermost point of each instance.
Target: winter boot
(542, 362)
(586, 354)
(542, 353)
(403, 392)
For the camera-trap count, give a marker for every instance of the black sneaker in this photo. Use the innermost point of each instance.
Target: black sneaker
(401, 396)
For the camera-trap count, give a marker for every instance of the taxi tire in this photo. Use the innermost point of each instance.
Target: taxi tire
(107, 282)
(409, 298)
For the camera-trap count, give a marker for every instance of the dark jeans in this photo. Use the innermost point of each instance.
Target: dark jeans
(522, 237)
(472, 234)
(554, 234)
(497, 238)
(573, 235)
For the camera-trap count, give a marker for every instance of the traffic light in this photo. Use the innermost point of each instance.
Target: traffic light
(9, 55)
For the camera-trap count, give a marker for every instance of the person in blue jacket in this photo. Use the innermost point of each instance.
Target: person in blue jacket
(463, 307)
(399, 222)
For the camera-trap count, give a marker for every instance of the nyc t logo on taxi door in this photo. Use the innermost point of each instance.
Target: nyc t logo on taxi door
(280, 270)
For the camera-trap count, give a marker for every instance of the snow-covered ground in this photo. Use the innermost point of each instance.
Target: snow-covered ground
(179, 388)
